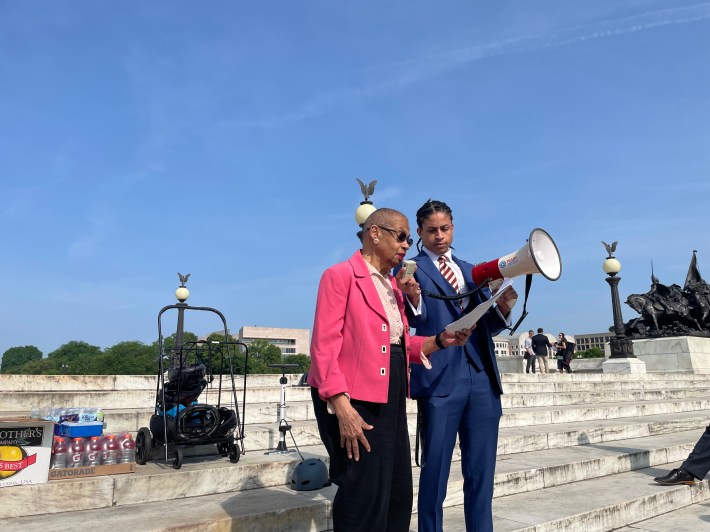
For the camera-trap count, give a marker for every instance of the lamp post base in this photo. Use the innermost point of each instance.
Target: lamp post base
(624, 365)
(621, 346)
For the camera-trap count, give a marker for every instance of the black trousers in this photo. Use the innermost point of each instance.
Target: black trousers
(375, 493)
(530, 362)
(698, 461)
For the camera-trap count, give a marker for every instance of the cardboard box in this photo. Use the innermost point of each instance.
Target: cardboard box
(91, 471)
(25, 451)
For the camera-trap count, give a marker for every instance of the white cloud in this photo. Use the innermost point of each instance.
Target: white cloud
(426, 67)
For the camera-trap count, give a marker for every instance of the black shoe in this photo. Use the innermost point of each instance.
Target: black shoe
(676, 477)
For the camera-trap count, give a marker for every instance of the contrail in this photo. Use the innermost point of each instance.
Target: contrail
(427, 67)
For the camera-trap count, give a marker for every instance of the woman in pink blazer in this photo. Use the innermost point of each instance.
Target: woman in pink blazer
(359, 376)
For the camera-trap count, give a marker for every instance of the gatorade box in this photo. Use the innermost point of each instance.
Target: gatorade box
(25, 451)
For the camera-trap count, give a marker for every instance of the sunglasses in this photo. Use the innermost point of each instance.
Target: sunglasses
(400, 236)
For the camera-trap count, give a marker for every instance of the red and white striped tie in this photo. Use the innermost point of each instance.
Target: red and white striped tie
(448, 273)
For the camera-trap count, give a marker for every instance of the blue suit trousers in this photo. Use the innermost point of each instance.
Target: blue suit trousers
(472, 410)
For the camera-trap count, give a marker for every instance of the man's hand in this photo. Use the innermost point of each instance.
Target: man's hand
(507, 300)
(409, 286)
(351, 426)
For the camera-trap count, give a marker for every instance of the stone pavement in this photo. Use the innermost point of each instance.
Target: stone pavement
(576, 452)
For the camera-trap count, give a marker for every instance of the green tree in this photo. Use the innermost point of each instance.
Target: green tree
(17, 356)
(39, 367)
(261, 354)
(592, 352)
(128, 358)
(303, 361)
(170, 356)
(74, 358)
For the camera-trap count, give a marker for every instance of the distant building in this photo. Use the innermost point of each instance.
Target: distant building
(289, 341)
(587, 341)
(502, 345)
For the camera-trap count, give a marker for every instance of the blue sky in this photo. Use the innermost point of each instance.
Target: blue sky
(223, 139)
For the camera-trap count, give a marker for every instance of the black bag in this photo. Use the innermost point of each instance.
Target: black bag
(569, 353)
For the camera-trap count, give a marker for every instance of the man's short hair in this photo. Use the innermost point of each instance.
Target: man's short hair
(539, 330)
(531, 331)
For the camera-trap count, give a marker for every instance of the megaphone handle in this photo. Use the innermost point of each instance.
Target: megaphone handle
(528, 284)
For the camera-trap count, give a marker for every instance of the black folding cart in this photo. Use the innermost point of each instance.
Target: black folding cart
(196, 397)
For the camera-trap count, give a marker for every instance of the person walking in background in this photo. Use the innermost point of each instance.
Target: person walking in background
(561, 347)
(529, 353)
(542, 362)
(568, 354)
(359, 354)
(461, 393)
(540, 343)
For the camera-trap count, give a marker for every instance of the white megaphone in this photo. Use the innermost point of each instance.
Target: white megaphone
(538, 255)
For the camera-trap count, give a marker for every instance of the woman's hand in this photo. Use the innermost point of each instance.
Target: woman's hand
(409, 286)
(351, 426)
(457, 338)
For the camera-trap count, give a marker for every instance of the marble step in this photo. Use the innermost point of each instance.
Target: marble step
(262, 426)
(536, 408)
(201, 476)
(516, 417)
(266, 413)
(546, 391)
(514, 439)
(561, 384)
(527, 382)
(522, 482)
(277, 509)
(607, 377)
(536, 470)
(595, 505)
(43, 383)
(685, 519)
(517, 395)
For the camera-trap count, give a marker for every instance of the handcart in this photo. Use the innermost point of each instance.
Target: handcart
(196, 397)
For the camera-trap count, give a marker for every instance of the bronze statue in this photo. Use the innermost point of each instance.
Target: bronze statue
(672, 310)
(367, 190)
(610, 248)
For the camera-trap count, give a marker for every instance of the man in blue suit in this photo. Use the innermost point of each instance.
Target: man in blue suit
(461, 393)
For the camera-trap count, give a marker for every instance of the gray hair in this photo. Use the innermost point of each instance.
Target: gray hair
(382, 216)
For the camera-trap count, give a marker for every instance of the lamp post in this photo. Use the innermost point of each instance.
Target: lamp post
(620, 345)
(182, 293)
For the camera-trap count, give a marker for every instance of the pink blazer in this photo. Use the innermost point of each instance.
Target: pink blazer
(350, 346)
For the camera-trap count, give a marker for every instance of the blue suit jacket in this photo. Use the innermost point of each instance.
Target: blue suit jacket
(436, 315)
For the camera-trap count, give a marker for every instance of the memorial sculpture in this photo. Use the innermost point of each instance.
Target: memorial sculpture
(672, 310)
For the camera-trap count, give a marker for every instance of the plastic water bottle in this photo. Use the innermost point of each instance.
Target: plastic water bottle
(60, 454)
(93, 451)
(76, 453)
(90, 414)
(128, 449)
(111, 450)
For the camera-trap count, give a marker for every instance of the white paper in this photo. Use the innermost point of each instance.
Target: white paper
(469, 320)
